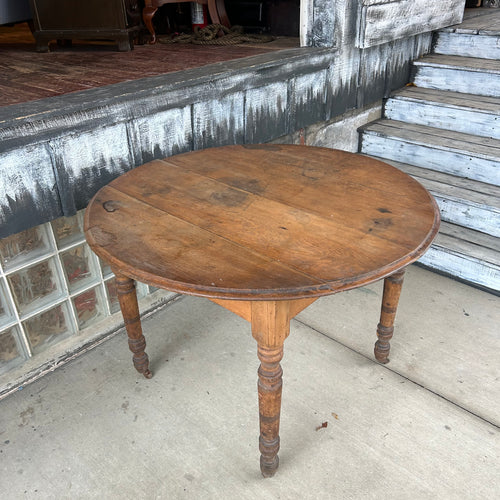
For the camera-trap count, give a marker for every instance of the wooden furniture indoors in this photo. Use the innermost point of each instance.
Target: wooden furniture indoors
(263, 231)
(14, 11)
(216, 9)
(90, 19)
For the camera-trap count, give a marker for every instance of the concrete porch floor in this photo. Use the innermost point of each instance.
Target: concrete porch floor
(424, 426)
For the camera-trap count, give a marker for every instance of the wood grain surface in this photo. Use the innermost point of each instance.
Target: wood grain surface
(28, 75)
(275, 226)
(261, 222)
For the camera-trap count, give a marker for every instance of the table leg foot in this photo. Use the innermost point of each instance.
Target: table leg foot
(385, 329)
(130, 311)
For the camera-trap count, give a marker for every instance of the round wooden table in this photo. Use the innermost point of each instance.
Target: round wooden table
(263, 230)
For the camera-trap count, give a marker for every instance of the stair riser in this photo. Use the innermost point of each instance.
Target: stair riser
(477, 217)
(445, 117)
(465, 45)
(457, 80)
(462, 267)
(450, 162)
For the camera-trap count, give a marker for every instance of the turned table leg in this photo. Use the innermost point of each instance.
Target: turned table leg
(392, 290)
(270, 328)
(130, 311)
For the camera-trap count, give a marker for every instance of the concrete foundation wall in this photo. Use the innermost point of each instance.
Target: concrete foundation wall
(339, 133)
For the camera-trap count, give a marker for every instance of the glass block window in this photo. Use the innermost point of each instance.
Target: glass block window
(24, 247)
(48, 327)
(79, 267)
(11, 352)
(89, 307)
(35, 286)
(52, 286)
(112, 295)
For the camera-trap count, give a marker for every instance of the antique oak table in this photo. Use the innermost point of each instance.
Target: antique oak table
(263, 231)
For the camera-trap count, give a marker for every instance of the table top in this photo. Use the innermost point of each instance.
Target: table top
(261, 222)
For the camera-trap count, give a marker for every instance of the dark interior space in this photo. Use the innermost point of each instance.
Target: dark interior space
(274, 17)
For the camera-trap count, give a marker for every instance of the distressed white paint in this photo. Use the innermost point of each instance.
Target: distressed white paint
(310, 86)
(87, 161)
(461, 264)
(306, 21)
(26, 170)
(266, 112)
(345, 69)
(310, 91)
(423, 44)
(102, 148)
(436, 157)
(458, 112)
(268, 99)
(467, 45)
(318, 22)
(382, 21)
(449, 73)
(463, 202)
(220, 120)
(163, 133)
(455, 132)
(468, 214)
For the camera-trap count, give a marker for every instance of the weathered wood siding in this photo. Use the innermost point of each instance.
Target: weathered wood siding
(450, 257)
(318, 22)
(382, 21)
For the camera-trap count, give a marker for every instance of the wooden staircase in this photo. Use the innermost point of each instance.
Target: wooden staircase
(444, 130)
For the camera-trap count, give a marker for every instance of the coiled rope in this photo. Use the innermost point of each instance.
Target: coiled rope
(216, 34)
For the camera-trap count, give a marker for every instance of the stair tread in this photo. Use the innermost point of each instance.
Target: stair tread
(481, 46)
(483, 147)
(488, 29)
(469, 254)
(468, 242)
(451, 99)
(460, 62)
(476, 22)
(452, 186)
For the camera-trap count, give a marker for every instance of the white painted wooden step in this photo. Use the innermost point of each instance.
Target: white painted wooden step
(467, 45)
(463, 202)
(458, 74)
(467, 255)
(466, 113)
(463, 155)
(477, 36)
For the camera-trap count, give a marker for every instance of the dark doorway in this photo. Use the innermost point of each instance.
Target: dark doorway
(276, 17)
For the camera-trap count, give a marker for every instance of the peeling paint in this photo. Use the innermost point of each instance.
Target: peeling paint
(219, 122)
(161, 134)
(266, 111)
(386, 21)
(310, 98)
(86, 161)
